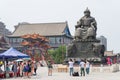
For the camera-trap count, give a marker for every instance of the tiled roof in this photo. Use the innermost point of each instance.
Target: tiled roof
(109, 53)
(44, 29)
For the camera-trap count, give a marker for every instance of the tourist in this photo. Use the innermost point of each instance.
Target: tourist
(32, 68)
(29, 68)
(79, 60)
(71, 63)
(25, 72)
(1, 63)
(35, 67)
(1, 71)
(82, 67)
(109, 61)
(18, 69)
(87, 67)
(7, 70)
(21, 69)
(49, 68)
(14, 68)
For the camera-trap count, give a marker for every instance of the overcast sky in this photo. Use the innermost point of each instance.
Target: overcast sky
(106, 13)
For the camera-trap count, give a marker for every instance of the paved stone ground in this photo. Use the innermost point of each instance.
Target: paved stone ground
(42, 75)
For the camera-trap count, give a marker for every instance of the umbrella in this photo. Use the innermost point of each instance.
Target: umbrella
(18, 60)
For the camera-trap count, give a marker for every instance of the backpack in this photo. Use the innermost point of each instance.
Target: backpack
(75, 74)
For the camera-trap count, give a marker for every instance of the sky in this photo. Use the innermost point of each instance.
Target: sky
(106, 13)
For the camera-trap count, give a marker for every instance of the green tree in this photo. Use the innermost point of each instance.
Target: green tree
(58, 55)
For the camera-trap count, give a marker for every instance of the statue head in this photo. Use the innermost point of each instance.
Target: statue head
(87, 12)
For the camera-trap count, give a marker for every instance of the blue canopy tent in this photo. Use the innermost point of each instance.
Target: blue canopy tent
(13, 53)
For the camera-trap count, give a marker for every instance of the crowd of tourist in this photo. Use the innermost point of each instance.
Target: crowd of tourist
(21, 69)
(28, 68)
(84, 66)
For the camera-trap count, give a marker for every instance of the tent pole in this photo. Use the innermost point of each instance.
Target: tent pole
(4, 65)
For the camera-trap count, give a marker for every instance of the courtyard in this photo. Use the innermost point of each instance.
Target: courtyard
(42, 75)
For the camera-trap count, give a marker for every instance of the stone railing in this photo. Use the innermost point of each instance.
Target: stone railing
(112, 68)
(65, 68)
(60, 68)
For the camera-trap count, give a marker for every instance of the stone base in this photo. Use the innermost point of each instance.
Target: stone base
(83, 49)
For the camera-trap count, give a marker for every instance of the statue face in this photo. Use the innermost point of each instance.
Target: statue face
(87, 14)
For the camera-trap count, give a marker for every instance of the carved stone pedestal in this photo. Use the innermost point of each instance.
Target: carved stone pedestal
(82, 49)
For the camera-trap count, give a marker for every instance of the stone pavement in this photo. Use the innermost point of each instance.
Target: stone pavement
(42, 75)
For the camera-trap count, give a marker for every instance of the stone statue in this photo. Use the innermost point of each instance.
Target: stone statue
(86, 27)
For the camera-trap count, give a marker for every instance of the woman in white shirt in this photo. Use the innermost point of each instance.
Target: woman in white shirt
(71, 63)
(87, 67)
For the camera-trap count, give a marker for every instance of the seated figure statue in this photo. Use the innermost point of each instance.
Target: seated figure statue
(86, 27)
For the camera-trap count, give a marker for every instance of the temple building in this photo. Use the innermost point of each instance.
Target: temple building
(3, 40)
(57, 33)
(3, 30)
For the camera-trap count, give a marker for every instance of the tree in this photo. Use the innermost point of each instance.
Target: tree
(35, 46)
(58, 55)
